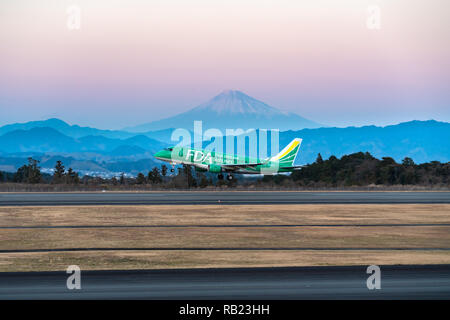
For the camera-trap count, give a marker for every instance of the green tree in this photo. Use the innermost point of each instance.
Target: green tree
(164, 170)
(150, 177)
(122, 179)
(58, 175)
(72, 177)
(34, 172)
(387, 161)
(140, 179)
(408, 162)
(185, 173)
(30, 173)
(319, 159)
(156, 175)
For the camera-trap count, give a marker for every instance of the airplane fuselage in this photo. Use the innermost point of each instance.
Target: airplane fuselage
(204, 160)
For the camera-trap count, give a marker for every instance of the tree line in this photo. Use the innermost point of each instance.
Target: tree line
(357, 169)
(31, 173)
(362, 169)
(185, 177)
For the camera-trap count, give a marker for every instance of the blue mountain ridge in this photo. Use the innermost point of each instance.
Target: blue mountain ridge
(44, 139)
(423, 141)
(76, 131)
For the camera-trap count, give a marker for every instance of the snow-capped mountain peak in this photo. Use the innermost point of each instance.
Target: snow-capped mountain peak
(232, 109)
(237, 102)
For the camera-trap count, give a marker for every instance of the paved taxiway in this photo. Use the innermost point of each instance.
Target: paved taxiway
(221, 197)
(397, 282)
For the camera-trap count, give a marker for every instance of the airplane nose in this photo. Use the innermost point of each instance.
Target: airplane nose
(158, 154)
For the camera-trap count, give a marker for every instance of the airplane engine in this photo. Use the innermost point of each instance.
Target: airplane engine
(214, 168)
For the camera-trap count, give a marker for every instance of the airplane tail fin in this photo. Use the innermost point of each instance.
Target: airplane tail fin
(286, 157)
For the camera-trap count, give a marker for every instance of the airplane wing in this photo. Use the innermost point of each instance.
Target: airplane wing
(240, 165)
(294, 167)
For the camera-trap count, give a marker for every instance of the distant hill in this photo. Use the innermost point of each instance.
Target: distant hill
(423, 141)
(76, 131)
(37, 140)
(231, 109)
(92, 154)
(126, 150)
(45, 140)
(163, 135)
(73, 131)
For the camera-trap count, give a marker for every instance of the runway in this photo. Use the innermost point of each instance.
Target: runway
(220, 197)
(397, 282)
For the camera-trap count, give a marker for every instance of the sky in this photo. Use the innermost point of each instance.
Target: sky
(123, 63)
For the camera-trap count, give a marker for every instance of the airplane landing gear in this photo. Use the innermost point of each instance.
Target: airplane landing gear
(220, 176)
(230, 177)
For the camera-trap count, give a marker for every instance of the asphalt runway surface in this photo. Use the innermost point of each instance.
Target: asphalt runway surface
(221, 197)
(397, 282)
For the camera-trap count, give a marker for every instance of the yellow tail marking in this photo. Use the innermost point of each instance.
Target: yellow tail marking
(292, 147)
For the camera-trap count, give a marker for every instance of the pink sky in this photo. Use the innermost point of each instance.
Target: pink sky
(138, 61)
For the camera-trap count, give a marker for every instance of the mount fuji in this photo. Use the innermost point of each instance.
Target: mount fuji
(231, 109)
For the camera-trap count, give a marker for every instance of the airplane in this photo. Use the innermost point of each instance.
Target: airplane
(204, 161)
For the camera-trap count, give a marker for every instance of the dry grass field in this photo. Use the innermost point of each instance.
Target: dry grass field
(188, 234)
(121, 260)
(309, 237)
(223, 214)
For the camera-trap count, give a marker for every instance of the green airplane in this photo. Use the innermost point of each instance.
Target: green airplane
(224, 163)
